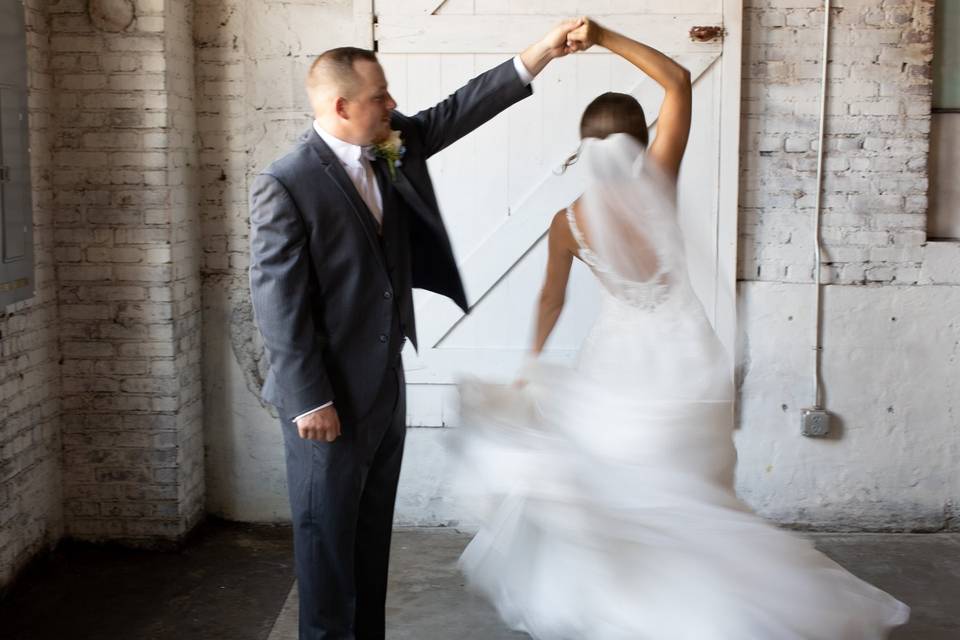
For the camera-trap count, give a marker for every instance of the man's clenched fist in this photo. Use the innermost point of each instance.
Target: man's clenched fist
(320, 425)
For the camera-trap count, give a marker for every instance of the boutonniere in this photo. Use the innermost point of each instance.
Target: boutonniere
(392, 151)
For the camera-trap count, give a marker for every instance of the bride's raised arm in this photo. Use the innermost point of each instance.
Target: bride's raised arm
(673, 122)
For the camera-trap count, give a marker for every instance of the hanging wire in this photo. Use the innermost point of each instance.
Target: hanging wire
(818, 325)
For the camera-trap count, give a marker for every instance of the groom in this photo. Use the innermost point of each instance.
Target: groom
(341, 229)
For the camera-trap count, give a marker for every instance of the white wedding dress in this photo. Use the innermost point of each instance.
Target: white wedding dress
(611, 508)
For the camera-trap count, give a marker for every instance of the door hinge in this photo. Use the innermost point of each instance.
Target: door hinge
(707, 34)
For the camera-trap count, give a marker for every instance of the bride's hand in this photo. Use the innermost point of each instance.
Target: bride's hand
(526, 371)
(586, 35)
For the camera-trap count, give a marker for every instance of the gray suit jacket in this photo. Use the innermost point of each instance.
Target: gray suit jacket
(324, 285)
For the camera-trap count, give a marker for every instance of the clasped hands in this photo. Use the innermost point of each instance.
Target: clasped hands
(576, 34)
(570, 36)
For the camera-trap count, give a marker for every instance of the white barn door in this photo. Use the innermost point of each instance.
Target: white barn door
(499, 187)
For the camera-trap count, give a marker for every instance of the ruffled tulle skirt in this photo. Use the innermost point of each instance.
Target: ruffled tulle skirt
(611, 515)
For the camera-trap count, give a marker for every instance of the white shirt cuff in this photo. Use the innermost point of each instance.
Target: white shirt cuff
(525, 76)
(304, 415)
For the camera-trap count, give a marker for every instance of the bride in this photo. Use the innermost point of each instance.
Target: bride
(613, 510)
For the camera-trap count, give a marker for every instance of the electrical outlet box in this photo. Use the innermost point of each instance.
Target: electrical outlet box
(815, 423)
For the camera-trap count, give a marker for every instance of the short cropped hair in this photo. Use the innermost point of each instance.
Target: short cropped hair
(334, 68)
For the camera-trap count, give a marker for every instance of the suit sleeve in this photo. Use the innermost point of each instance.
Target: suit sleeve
(280, 277)
(470, 106)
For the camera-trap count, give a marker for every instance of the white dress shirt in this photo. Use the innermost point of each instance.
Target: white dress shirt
(358, 167)
(361, 174)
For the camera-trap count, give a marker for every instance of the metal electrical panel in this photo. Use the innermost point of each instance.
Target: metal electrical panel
(16, 209)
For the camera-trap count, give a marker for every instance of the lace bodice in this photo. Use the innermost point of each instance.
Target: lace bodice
(647, 294)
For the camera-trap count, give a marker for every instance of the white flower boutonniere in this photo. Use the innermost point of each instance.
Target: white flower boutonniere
(392, 151)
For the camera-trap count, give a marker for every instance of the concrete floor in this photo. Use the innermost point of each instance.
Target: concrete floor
(235, 582)
(228, 582)
(427, 600)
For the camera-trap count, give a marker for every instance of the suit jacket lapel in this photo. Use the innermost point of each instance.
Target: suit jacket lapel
(416, 203)
(331, 165)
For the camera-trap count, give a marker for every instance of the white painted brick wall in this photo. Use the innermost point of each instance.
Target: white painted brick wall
(126, 237)
(875, 181)
(890, 348)
(31, 511)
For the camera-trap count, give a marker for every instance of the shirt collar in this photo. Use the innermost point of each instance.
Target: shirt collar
(346, 152)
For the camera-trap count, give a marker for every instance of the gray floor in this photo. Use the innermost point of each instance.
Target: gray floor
(427, 599)
(233, 582)
(226, 583)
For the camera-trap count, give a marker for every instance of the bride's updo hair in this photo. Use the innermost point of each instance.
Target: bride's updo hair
(610, 113)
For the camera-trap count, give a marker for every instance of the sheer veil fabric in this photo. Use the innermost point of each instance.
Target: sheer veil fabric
(605, 491)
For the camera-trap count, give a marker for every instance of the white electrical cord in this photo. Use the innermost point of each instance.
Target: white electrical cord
(817, 349)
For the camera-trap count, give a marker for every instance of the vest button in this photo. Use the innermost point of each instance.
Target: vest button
(387, 295)
(383, 337)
